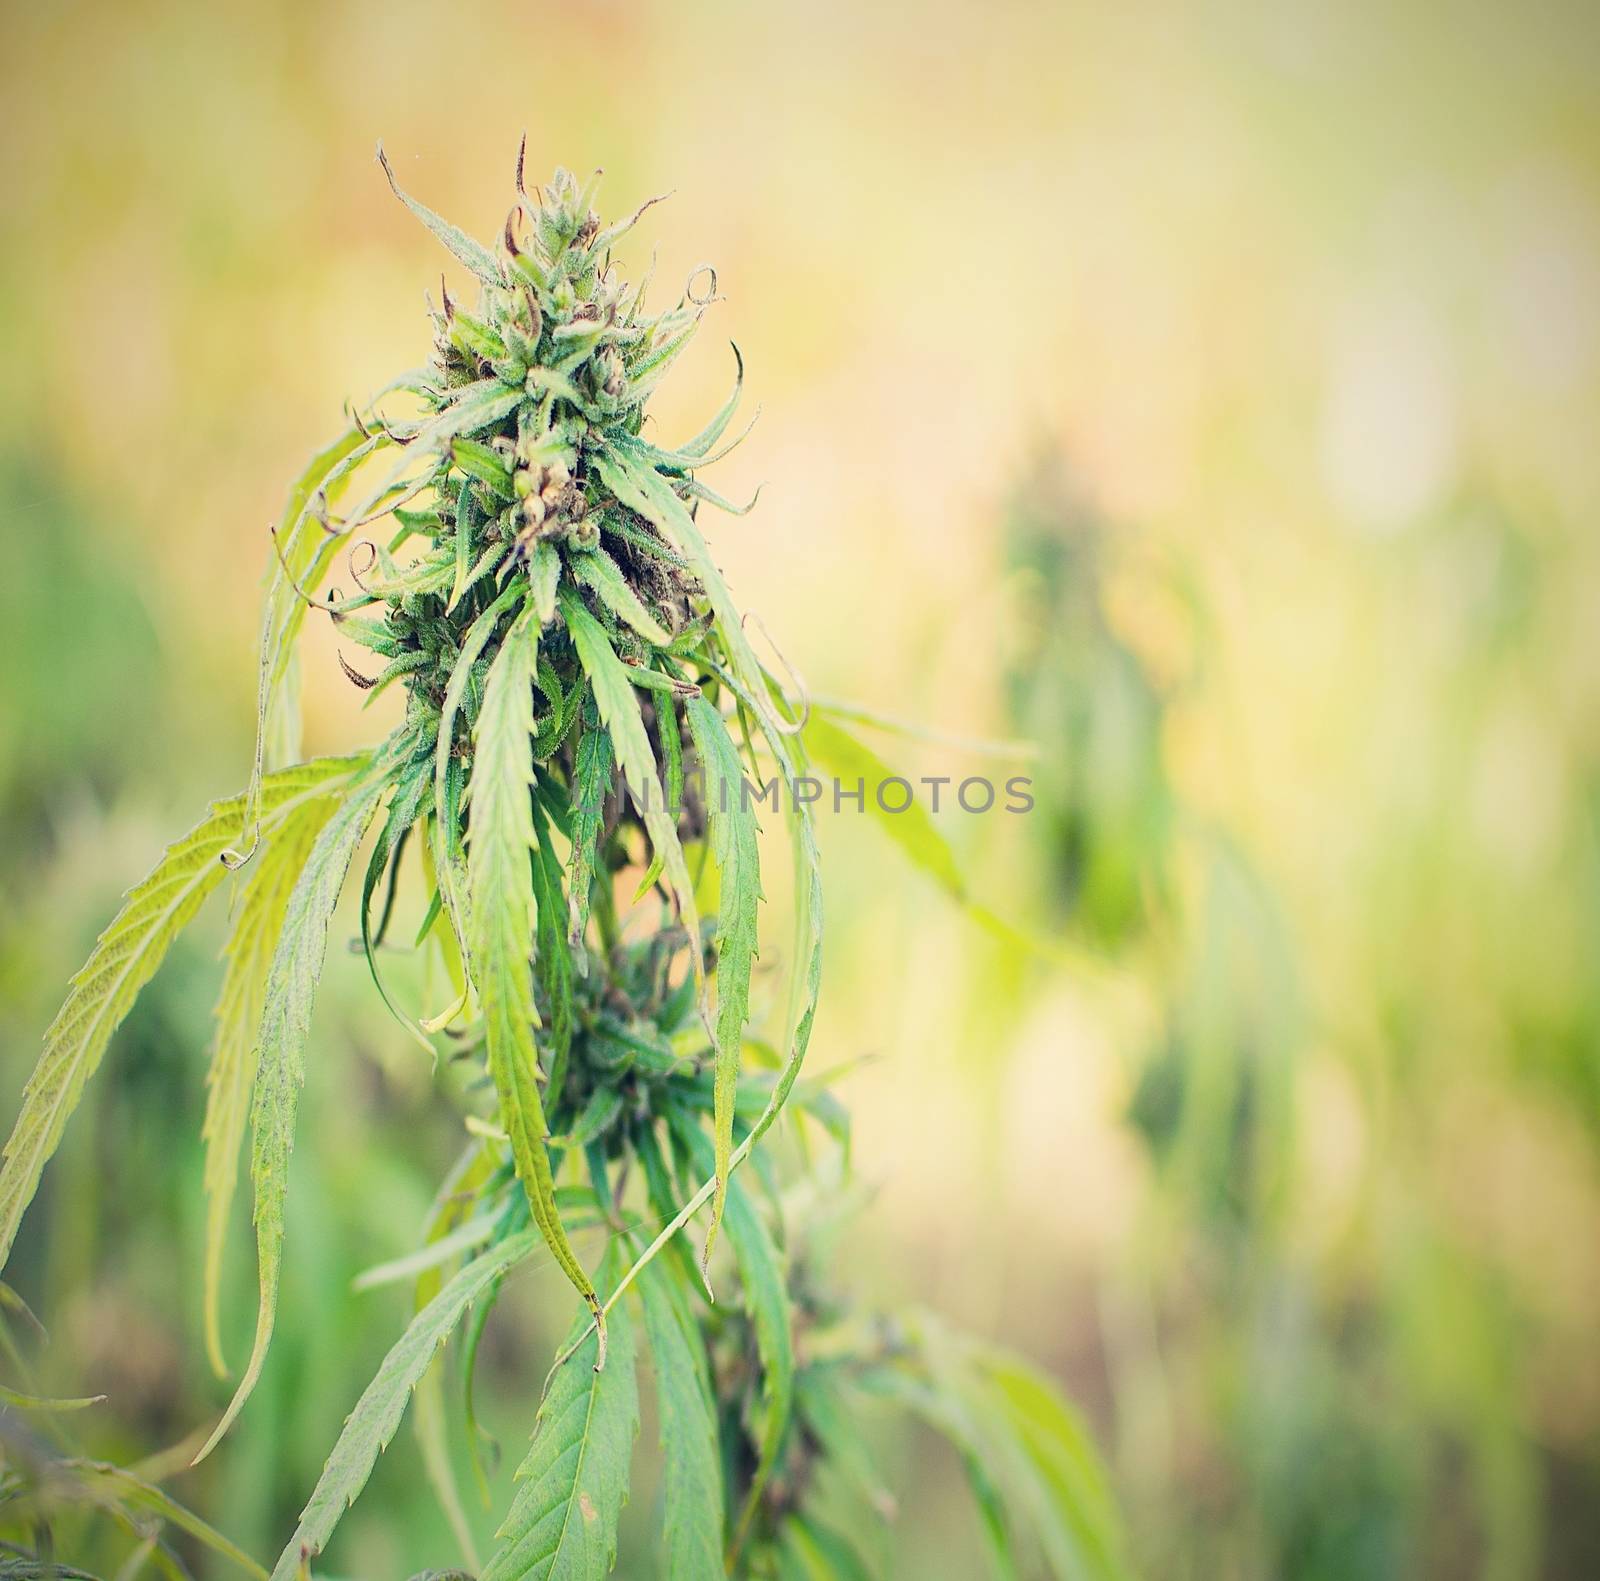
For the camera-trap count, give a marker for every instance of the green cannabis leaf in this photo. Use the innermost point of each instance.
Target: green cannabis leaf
(501, 884)
(563, 1521)
(280, 1070)
(733, 843)
(686, 1407)
(257, 925)
(124, 959)
(582, 711)
(373, 1423)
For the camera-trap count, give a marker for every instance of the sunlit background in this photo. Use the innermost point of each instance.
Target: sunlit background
(1210, 395)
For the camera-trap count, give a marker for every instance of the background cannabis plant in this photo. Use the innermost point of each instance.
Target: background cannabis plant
(584, 716)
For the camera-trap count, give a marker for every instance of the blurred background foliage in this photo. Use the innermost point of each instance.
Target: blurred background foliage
(1206, 393)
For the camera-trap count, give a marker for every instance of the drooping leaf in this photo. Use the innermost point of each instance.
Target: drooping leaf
(1069, 1471)
(280, 1069)
(691, 1535)
(500, 880)
(371, 1426)
(733, 844)
(124, 959)
(230, 1081)
(562, 1525)
(619, 712)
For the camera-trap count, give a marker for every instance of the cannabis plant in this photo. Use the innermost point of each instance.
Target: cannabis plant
(588, 744)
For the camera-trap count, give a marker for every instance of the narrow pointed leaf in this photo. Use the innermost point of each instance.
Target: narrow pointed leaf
(733, 844)
(230, 1081)
(500, 880)
(598, 572)
(113, 1485)
(619, 712)
(591, 785)
(280, 1070)
(691, 1535)
(447, 855)
(300, 543)
(639, 486)
(913, 830)
(123, 961)
(472, 253)
(562, 1525)
(544, 572)
(373, 1423)
(766, 1298)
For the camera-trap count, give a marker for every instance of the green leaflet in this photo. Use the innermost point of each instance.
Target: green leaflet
(813, 1552)
(1068, 1469)
(804, 987)
(691, 1535)
(372, 1424)
(1017, 749)
(563, 1522)
(619, 712)
(111, 1485)
(544, 572)
(598, 572)
(591, 785)
(257, 923)
(628, 474)
(472, 253)
(412, 789)
(447, 852)
(13, 1400)
(283, 609)
(913, 830)
(123, 960)
(1034, 1470)
(598, 1116)
(766, 1298)
(806, 982)
(500, 880)
(553, 960)
(694, 451)
(280, 1071)
(952, 1418)
(733, 844)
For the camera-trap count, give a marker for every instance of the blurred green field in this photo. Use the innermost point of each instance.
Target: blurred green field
(1208, 396)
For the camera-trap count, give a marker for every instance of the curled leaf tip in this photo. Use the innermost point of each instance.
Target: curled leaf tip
(710, 295)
